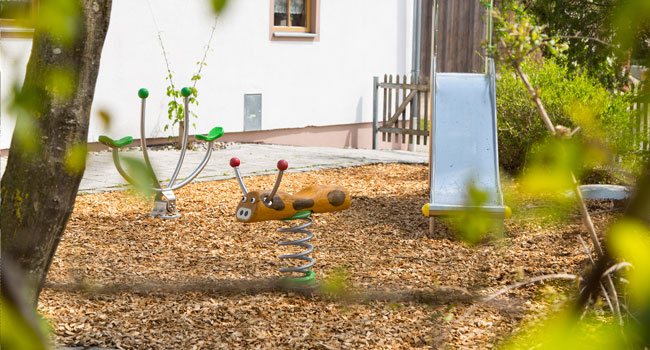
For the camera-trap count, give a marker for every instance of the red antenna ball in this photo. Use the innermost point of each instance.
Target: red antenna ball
(234, 162)
(283, 164)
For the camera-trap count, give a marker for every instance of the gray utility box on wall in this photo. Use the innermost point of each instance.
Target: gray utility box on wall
(252, 112)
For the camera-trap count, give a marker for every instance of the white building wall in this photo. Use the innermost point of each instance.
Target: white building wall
(325, 82)
(14, 54)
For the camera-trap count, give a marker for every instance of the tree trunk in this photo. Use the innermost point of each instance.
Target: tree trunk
(38, 190)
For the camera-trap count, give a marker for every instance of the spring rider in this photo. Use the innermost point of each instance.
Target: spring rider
(258, 206)
(165, 201)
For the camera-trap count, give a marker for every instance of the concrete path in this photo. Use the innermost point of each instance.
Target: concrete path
(256, 159)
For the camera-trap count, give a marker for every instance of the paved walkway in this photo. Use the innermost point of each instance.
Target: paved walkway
(256, 159)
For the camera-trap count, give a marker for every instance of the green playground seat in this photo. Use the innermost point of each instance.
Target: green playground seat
(214, 134)
(117, 144)
(299, 215)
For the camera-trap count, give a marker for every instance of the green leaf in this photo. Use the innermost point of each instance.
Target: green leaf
(219, 5)
(472, 225)
(565, 331)
(629, 240)
(143, 177)
(105, 118)
(60, 82)
(75, 158)
(27, 133)
(60, 18)
(336, 284)
(16, 333)
(551, 165)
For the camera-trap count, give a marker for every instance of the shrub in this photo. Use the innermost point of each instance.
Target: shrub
(570, 99)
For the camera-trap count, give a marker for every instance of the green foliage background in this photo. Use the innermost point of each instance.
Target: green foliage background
(588, 28)
(571, 100)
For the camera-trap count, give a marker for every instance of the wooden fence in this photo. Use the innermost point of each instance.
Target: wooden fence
(461, 32)
(404, 106)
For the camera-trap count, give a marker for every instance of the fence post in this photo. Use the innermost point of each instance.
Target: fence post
(375, 118)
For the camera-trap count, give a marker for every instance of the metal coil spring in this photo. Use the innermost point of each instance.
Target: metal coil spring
(302, 242)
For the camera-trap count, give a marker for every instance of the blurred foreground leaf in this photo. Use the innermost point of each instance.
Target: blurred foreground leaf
(551, 165)
(142, 176)
(550, 170)
(473, 224)
(566, 331)
(27, 134)
(218, 5)
(24, 106)
(336, 284)
(631, 19)
(629, 240)
(16, 333)
(105, 118)
(60, 18)
(75, 158)
(60, 82)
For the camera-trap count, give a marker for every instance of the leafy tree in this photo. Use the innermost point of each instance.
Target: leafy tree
(627, 241)
(594, 39)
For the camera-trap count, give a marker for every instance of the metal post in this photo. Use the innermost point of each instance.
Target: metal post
(432, 106)
(415, 61)
(375, 118)
(488, 33)
(184, 136)
(415, 65)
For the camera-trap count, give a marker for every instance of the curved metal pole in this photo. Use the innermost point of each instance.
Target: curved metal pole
(240, 180)
(276, 186)
(119, 168)
(282, 166)
(143, 144)
(197, 171)
(184, 138)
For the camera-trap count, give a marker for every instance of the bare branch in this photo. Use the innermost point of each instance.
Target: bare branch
(564, 276)
(586, 38)
(617, 267)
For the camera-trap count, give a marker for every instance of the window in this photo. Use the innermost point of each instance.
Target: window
(291, 15)
(15, 16)
(294, 19)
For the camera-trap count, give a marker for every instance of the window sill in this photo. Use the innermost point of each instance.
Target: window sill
(16, 33)
(294, 35)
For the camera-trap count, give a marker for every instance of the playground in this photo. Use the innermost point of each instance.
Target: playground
(123, 279)
(493, 192)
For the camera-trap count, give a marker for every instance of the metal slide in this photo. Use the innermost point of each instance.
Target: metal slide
(464, 142)
(464, 149)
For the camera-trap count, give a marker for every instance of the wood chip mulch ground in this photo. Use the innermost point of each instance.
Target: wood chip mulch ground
(199, 281)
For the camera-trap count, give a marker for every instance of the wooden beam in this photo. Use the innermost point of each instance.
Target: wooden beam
(404, 131)
(401, 108)
(419, 87)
